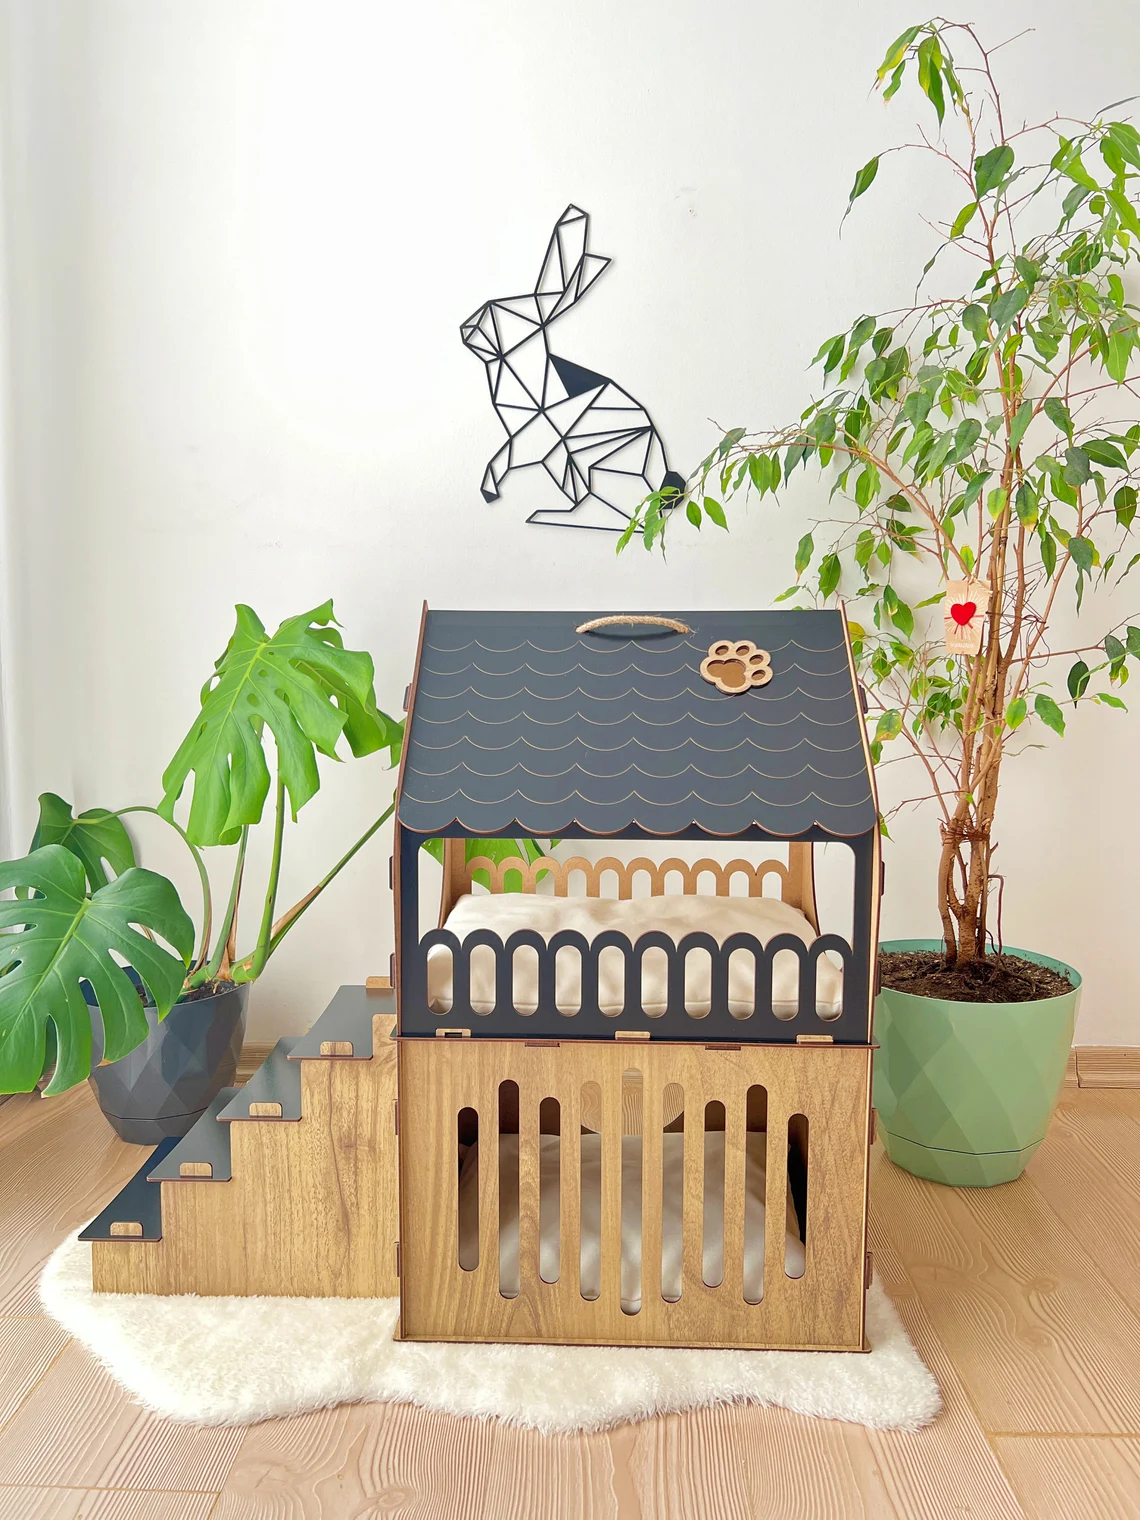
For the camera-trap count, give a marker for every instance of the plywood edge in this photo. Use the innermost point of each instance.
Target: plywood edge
(1071, 1070)
(1107, 1065)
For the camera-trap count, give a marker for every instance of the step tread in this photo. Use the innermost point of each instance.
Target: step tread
(208, 1141)
(348, 1018)
(276, 1080)
(136, 1203)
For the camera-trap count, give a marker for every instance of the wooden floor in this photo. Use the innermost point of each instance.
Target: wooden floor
(1024, 1301)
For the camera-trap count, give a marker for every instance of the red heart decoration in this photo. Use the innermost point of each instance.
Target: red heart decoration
(962, 612)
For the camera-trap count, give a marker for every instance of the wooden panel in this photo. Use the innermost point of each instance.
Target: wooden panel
(661, 875)
(396, 1460)
(1073, 1475)
(102, 1504)
(311, 1209)
(948, 1468)
(1071, 1070)
(1108, 1065)
(1090, 1177)
(61, 1163)
(27, 1349)
(79, 1428)
(996, 1268)
(824, 1308)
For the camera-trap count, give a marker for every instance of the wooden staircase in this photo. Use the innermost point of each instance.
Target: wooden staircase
(287, 1186)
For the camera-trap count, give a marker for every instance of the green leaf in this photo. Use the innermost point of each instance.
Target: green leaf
(1132, 640)
(804, 551)
(1058, 414)
(60, 937)
(889, 725)
(1108, 700)
(305, 688)
(1004, 308)
(975, 321)
(1026, 504)
(693, 513)
(1048, 551)
(963, 219)
(1049, 713)
(1125, 503)
(862, 330)
(1100, 451)
(1020, 422)
(992, 167)
(930, 75)
(830, 571)
(1077, 467)
(896, 53)
(966, 436)
(1084, 553)
(1015, 713)
(1078, 680)
(95, 837)
(715, 511)
(864, 179)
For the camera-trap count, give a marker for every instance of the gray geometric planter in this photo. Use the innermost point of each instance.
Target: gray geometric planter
(163, 1086)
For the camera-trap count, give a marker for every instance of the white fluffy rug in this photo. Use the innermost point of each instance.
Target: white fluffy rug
(232, 1361)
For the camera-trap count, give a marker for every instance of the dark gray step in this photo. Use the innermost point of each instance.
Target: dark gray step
(206, 1145)
(137, 1204)
(274, 1090)
(347, 1021)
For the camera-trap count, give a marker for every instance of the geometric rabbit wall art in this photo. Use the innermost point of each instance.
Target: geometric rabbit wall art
(595, 441)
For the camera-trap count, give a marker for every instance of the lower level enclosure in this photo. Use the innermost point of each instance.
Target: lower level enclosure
(634, 1193)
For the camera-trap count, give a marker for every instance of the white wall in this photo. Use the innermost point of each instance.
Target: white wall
(240, 236)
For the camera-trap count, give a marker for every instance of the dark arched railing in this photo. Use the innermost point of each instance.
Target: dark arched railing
(760, 1023)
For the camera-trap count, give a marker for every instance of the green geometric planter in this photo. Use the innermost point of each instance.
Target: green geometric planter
(965, 1091)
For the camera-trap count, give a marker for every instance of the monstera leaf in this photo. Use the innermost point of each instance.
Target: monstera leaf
(94, 837)
(301, 684)
(62, 936)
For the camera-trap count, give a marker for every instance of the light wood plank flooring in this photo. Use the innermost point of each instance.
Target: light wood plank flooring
(1024, 1301)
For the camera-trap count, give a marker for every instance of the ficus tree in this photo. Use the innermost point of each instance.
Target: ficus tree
(987, 436)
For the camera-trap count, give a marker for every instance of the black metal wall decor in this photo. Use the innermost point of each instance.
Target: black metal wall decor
(596, 442)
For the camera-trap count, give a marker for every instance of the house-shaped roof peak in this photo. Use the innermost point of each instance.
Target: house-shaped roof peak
(520, 724)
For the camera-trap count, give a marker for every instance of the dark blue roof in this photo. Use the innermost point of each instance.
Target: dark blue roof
(520, 724)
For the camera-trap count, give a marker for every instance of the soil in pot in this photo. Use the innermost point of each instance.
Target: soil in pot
(998, 978)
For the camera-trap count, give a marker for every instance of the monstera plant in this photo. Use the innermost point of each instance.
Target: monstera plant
(88, 925)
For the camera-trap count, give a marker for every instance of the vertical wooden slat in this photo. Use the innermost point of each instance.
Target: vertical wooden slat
(733, 1098)
(531, 1095)
(611, 1127)
(776, 1283)
(693, 1203)
(485, 1279)
(652, 1135)
(570, 1161)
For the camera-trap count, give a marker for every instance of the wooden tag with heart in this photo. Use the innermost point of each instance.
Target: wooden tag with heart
(964, 615)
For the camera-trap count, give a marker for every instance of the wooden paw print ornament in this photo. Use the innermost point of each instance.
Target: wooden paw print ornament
(964, 615)
(735, 666)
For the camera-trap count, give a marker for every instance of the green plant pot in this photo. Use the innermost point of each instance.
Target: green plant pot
(965, 1091)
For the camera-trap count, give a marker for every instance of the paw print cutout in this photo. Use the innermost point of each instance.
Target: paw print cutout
(734, 667)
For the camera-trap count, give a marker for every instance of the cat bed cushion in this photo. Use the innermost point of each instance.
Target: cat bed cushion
(720, 917)
(588, 1250)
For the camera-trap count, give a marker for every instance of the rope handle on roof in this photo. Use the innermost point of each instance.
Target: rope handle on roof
(633, 617)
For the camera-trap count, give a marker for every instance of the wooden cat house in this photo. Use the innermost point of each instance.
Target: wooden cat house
(627, 1090)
